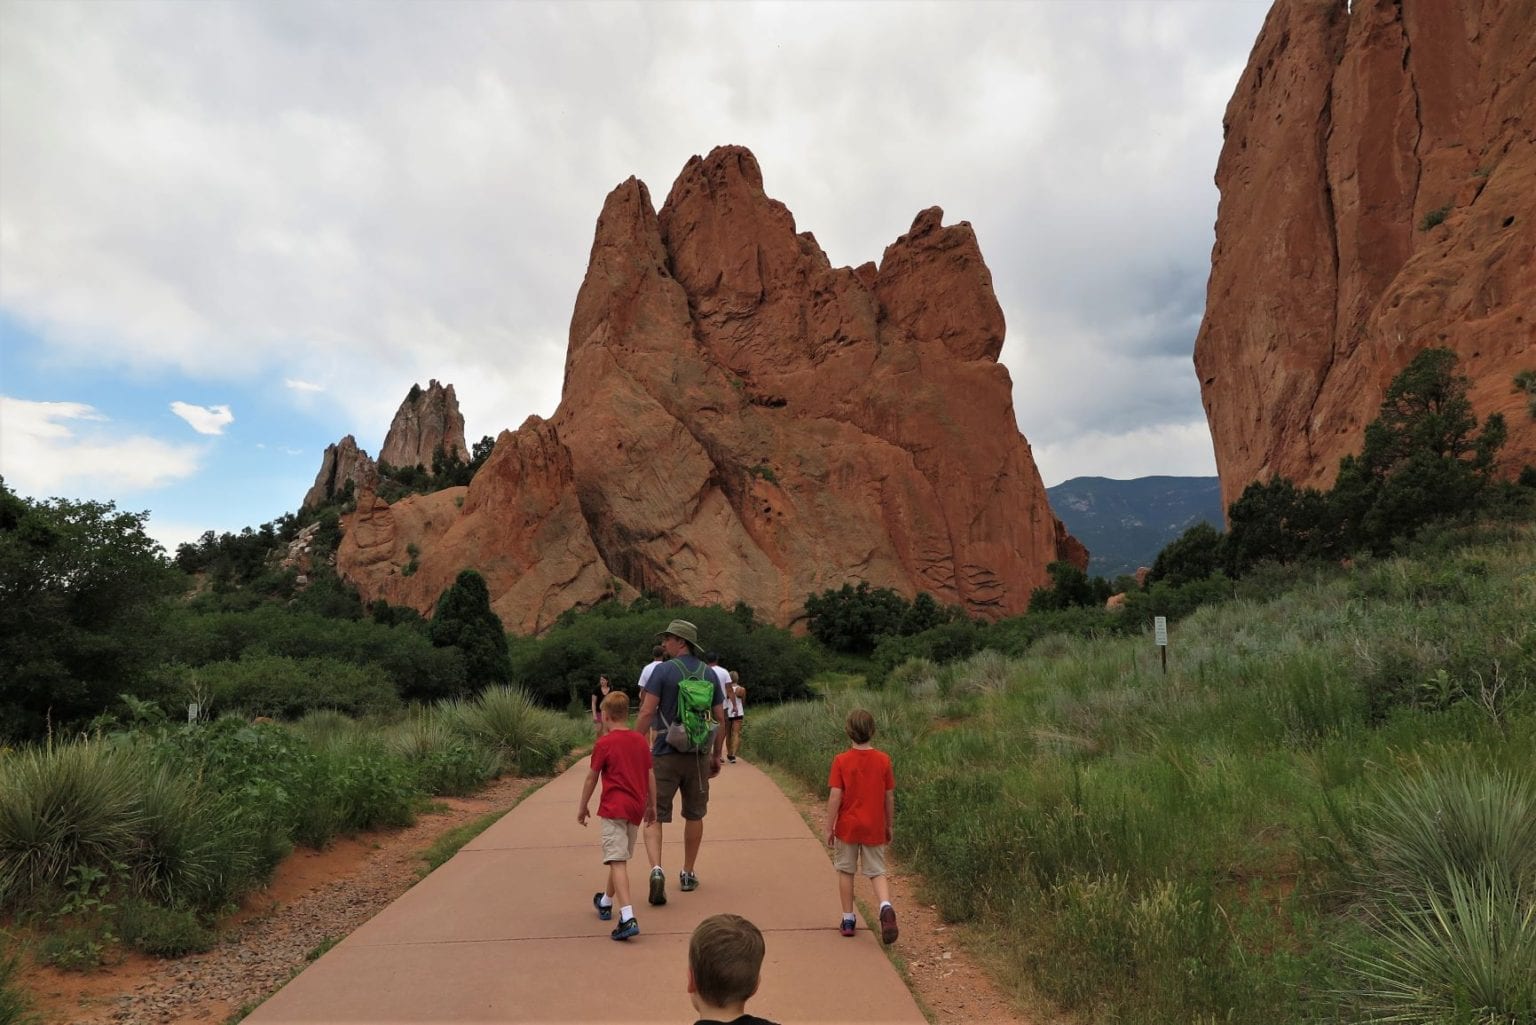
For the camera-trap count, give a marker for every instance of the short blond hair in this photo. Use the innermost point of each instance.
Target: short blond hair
(860, 726)
(725, 956)
(616, 705)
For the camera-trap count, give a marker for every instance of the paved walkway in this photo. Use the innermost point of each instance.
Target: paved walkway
(505, 931)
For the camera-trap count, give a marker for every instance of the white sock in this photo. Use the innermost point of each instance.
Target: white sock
(626, 913)
(884, 904)
(607, 901)
(848, 916)
(656, 868)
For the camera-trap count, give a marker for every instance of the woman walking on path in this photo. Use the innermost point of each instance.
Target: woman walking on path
(598, 694)
(735, 713)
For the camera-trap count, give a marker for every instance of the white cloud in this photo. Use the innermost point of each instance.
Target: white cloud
(44, 452)
(234, 190)
(1176, 450)
(204, 419)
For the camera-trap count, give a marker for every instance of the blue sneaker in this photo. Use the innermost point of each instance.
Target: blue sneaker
(625, 929)
(605, 913)
(687, 881)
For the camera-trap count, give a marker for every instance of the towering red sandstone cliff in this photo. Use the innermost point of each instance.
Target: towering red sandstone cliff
(1378, 196)
(427, 422)
(742, 421)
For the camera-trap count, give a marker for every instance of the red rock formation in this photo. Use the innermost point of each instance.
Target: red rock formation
(1378, 196)
(342, 462)
(518, 523)
(426, 423)
(746, 422)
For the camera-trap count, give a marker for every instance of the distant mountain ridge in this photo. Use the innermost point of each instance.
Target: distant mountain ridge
(1125, 523)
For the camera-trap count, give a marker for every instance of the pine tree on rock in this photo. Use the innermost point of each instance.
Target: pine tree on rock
(464, 619)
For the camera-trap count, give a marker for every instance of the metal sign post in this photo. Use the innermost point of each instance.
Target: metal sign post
(1160, 631)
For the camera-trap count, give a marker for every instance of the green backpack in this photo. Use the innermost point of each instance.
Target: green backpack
(692, 727)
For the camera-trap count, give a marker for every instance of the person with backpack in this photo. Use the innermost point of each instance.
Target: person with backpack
(686, 702)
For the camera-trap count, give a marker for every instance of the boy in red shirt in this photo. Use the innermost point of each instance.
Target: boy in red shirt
(860, 810)
(622, 759)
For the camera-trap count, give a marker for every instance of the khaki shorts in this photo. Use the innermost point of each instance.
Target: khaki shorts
(618, 839)
(688, 773)
(847, 856)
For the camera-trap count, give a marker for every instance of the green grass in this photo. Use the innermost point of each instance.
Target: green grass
(451, 842)
(1329, 779)
(15, 1007)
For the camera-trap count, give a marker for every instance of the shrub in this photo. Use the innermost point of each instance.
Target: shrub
(1434, 217)
(527, 739)
(162, 931)
(464, 620)
(286, 688)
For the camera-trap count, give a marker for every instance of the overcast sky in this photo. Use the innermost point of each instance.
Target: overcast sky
(232, 232)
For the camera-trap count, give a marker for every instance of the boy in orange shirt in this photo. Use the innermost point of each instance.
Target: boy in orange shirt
(860, 810)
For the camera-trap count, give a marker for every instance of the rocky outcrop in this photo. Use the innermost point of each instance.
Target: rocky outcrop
(1378, 196)
(343, 462)
(518, 522)
(741, 421)
(427, 422)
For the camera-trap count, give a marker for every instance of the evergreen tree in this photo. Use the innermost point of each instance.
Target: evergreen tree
(464, 619)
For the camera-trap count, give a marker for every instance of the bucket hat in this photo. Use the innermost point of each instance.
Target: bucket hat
(684, 629)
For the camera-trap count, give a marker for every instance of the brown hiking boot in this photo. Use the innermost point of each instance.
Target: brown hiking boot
(888, 930)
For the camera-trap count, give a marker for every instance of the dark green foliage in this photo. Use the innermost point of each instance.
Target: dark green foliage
(82, 591)
(616, 641)
(161, 931)
(1273, 522)
(281, 687)
(1071, 588)
(418, 670)
(853, 620)
(1434, 217)
(1525, 381)
(464, 620)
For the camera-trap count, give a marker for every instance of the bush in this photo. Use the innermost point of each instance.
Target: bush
(527, 739)
(162, 931)
(285, 688)
(464, 620)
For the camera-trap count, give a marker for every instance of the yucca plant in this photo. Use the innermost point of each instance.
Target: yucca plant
(191, 849)
(62, 806)
(507, 721)
(1467, 955)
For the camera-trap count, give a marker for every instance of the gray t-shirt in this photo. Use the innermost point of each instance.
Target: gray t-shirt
(663, 683)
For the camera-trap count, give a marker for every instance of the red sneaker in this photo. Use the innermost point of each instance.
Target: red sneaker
(888, 930)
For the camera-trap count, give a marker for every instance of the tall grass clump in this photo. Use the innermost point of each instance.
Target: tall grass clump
(63, 805)
(527, 739)
(1443, 866)
(15, 1008)
(443, 761)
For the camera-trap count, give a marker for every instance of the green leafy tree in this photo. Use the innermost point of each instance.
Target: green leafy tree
(1273, 522)
(83, 597)
(1424, 458)
(1070, 588)
(854, 619)
(464, 619)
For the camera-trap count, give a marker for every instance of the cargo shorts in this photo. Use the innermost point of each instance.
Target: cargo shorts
(688, 773)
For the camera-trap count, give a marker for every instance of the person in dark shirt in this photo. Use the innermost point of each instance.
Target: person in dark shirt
(725, 965)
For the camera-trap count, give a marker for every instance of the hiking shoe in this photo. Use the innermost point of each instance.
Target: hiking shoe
(731, 759)
(847, 927)
(687, 881)
(625, 929)
(605, 913)
(888, 930)
(658, 887)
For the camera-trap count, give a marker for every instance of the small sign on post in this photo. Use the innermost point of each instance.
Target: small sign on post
(1160, 631)
(192, 710)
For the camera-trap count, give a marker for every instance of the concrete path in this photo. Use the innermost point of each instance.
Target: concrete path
(505, 931)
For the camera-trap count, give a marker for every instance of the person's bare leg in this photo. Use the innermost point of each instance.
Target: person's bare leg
(618, 883)
(693, 837)
(882, 889)
(845, 891)
(653, 842)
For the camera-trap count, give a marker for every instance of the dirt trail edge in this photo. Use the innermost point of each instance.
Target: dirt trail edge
(505, 931)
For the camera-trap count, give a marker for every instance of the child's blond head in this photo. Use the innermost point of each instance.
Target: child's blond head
(616, 706)
(725, 958)
(860, 726)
